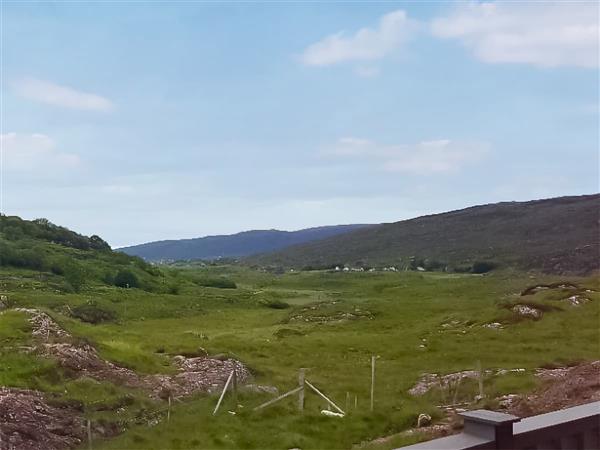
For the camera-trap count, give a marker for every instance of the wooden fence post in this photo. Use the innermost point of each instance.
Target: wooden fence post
(89, 434)
(301, 391)
(457, 385)
(480, 378)
(169, 410)
(235, 388)
(372, 381)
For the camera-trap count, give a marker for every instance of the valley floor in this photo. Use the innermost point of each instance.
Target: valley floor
(439, 339)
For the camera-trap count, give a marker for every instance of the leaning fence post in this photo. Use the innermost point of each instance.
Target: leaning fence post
(223, 393)
(328, 400)
(301, 391)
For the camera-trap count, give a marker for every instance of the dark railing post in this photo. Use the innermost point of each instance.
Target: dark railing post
(491, 425)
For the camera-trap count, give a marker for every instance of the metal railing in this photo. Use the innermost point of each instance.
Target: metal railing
(576, 428)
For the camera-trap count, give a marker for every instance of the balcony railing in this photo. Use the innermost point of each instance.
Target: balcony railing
(576, 428)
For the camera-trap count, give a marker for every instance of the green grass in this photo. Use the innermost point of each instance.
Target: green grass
(351, 316)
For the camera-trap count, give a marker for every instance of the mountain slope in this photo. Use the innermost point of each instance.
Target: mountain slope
(558, 235)
(233, 246)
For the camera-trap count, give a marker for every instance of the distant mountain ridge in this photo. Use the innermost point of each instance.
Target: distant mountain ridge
(236, 245)
(557, 235)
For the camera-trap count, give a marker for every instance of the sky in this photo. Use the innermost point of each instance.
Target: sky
(141, 121)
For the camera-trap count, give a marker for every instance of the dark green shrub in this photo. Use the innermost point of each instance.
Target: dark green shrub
(275, 304)
(482, 266)
(97, 243)
(74, 275)
(126, 279)
(56, 268)
(174, 289)
(221, 283)
(92, 313)
(463, 268)
(433, 264)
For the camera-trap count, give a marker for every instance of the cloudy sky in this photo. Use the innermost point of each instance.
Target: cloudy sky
(144, 121)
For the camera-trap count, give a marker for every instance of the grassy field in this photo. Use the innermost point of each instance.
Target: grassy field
(329, 323)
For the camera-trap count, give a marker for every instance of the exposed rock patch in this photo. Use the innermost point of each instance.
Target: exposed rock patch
(543, 287)
(43, 325)
(493, 326)
(527, 311)
(431, 380)
(562, 388)
(335, 317)
(27, 422)
(577, 300)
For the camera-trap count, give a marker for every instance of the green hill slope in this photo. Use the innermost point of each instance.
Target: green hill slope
(69, 259)
(558, 235)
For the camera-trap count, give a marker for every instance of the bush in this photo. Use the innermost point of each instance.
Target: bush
(56, 267)
(433, 264)
(97, 243)
(74, 275)
(463, 268)
(275, 304)
(174, 289)
(482, 266)
(126, 279)
(221, 283)
(92, 313)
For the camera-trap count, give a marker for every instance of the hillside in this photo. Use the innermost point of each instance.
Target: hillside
(68, 260)
(558, 235)
(234, 245)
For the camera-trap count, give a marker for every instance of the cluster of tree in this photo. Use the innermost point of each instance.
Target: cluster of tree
(29, 258)
(14, 229)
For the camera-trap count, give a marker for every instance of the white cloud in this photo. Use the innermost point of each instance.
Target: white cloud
(63, 96)
(366, 44)
(34, 153)
(423, 158)
(539, 33)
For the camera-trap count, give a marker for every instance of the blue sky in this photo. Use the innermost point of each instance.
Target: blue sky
(141, 121)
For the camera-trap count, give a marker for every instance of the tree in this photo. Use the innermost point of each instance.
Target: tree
(74, 274)
(97, 243)
(126, 279)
